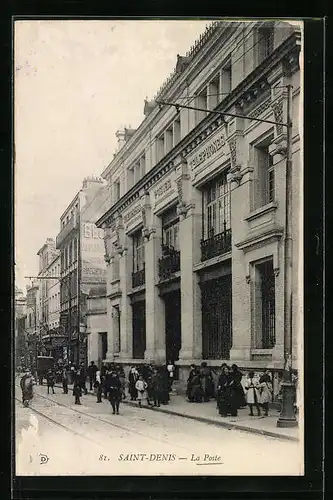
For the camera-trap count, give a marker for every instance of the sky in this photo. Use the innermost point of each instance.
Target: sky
(76, 83)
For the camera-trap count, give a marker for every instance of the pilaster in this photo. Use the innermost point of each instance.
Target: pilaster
(155, 312)
(123, 245)
(189, 209)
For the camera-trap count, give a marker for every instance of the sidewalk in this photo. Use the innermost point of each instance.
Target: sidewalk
(207, 413)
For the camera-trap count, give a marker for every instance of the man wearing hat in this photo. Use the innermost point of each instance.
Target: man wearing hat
(114, 391)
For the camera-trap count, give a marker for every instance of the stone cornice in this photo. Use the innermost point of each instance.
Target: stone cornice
(170, 91)
(259, 239)
(114, 295)
(258, 75)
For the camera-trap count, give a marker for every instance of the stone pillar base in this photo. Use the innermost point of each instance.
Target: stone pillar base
(188, 356)
(124, 356)
(155, 355)
(240, 354)
(278, 353)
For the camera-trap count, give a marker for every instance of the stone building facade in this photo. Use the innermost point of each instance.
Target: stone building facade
(81, 248)
(96, 324)
(194, 232)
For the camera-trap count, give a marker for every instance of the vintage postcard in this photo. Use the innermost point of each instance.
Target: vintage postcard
(158, 247)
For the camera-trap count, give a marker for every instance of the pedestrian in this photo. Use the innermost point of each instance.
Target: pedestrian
(223, 391)
(265, 377)
(114, 391)
(82, 378)
(121, 375)
(50, 381)
(92, 369)
(165, 385)
(103, 379)
(77, 391)
(232, 394)
(133, 377)
(171, 370)
(26, 383)
(237, 376)
(65, 379)
(150, 389)
(206, 381)
(156, 388)
(195, 388)
(141, 387)
(189, 379)
(98, 386)
(252, 393)
(266, 392)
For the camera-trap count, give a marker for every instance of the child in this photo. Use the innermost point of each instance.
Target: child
(141, 387)
(50, 381)
(266, 393)
(77, 392)
(252, 393)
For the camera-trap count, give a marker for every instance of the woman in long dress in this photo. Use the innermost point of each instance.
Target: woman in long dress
(206, 381)
(133, 377)
(222, 392)
(239, 394)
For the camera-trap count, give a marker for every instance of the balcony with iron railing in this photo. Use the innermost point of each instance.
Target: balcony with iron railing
(66, 230)
(138, 278)
(215, 245)
(169, 263)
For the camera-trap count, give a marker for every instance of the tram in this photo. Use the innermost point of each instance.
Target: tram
(44, 363)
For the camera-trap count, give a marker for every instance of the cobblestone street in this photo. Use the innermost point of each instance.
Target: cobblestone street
(56, 437)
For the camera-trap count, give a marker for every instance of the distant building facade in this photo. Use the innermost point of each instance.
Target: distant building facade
(33, 334)
(96, 324)
(82, 263)
(194, 231)
(20, 319)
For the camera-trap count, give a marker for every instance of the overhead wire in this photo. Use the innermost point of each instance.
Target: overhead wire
(189, 99)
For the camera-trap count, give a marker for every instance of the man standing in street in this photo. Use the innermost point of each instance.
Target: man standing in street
(82, 378)
(92, 370)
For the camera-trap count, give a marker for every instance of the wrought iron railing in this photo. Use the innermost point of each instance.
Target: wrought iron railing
(216, 245)
(169, 264)
(138, 278)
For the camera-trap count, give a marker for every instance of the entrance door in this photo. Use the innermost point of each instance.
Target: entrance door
(216, 318)
(172, 325)
(139, 329)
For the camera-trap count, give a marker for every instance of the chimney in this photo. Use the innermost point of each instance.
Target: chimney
(120, 134)
(129, 132)
(148, 107)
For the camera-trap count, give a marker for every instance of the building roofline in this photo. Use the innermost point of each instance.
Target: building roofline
(260, 71)
(70, 204)
(171, 83)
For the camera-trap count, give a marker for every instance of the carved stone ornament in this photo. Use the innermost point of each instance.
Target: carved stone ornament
(107, 258)
(235, 175)
(278, 115)
(180, 191)
(182, 210)
(233, 151)
(248, 279)
(276, 272)
(147, 232)
(144, 215)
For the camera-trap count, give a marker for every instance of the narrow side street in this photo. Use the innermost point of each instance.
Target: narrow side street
(56, 437)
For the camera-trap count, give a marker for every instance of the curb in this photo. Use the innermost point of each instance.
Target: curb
(210, 421)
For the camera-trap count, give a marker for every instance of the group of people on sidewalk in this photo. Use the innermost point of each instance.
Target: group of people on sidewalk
(229, 392)
(150, 384)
